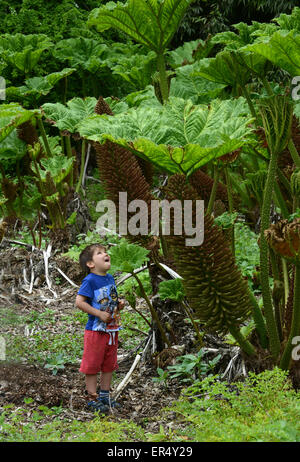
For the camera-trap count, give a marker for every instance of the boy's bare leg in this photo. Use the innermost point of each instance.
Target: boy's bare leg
(105, 380)
(91, 383)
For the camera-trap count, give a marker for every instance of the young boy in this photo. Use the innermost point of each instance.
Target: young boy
(97, 296)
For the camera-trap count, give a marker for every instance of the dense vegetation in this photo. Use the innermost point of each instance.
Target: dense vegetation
(102, 102)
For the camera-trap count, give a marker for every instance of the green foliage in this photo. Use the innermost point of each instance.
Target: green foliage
(68, 117)
(24, 51)
(105, 430)
(246, 250)
(178, 137)
(186, 53)
(263, 408)
(131, 286)
(190, 367)
(36, 87)
(226, 220)
(58, 166)
(188, 84)
(282, 48)
(129, 318)
(245, 331)
(162, 20)
(172, 289)
(137, 70)
(162, 376)
(55, 363)
(82, 53)
(127, 257)
(11, 116)
(56, 19)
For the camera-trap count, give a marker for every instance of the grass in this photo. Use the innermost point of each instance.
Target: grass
(264, 408)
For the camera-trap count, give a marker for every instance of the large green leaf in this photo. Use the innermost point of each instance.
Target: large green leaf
(185, 54)
(231, 67)
(81, 52)
(137, 69)
(289, 21)
(150, 22)
(23, 51)
(190, 85)
(245, 35)
(38, 86)
(11, 116)
(282, 49)
(68, 117)
(12, 147)
(128, 257)
(59, 167)
(179, 137)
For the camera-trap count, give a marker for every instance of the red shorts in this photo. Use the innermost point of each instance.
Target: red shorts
(98, 355)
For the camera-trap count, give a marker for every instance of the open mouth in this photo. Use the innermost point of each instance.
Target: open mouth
(107, 259)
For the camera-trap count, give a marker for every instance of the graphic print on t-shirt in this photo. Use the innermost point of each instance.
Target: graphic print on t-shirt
(106, 299)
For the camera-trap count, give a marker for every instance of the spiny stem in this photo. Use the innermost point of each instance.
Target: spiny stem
(259, 321)
(230, 205)
(285, 280)
(264, 260)
(44, 136)
(294, 153)
(188, 312)
(214, 190)
(83, 152)
(152, 311)
(245, 345)
(295, 327)
(163, 81)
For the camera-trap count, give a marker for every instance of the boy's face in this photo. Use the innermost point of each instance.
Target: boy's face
(100, 262)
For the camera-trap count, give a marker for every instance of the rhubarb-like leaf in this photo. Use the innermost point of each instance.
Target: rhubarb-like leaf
(152, 23)
(38, 86)
(128, 257)
(177, 137)
(189, 85)
(282, 49)
(11, 116)
(68, 117)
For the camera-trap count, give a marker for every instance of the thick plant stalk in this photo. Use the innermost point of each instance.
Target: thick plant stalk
(295, 327)
(277, 115)
(69, 154)
(214, 190)
(280, 201)
(230, 204)
(188, 312)
(294, 153)
(44, 136)
(264, 260)
(163, 81)
(259, 321)
(285, 279)
(152, 311)
(244, 343)
(83, 152)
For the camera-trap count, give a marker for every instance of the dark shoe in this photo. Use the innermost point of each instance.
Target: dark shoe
(95, 405)
(109, 402)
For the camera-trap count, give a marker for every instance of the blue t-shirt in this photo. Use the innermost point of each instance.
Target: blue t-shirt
(101, 293)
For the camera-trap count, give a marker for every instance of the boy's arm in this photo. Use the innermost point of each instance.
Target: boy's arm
(82, 304)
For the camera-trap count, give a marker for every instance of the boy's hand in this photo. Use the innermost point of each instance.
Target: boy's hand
(104, 316)
(121, 305)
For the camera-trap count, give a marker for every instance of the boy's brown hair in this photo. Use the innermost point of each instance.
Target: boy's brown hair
(86, 255)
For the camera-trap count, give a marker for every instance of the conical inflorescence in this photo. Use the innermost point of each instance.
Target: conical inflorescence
(213, 283)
